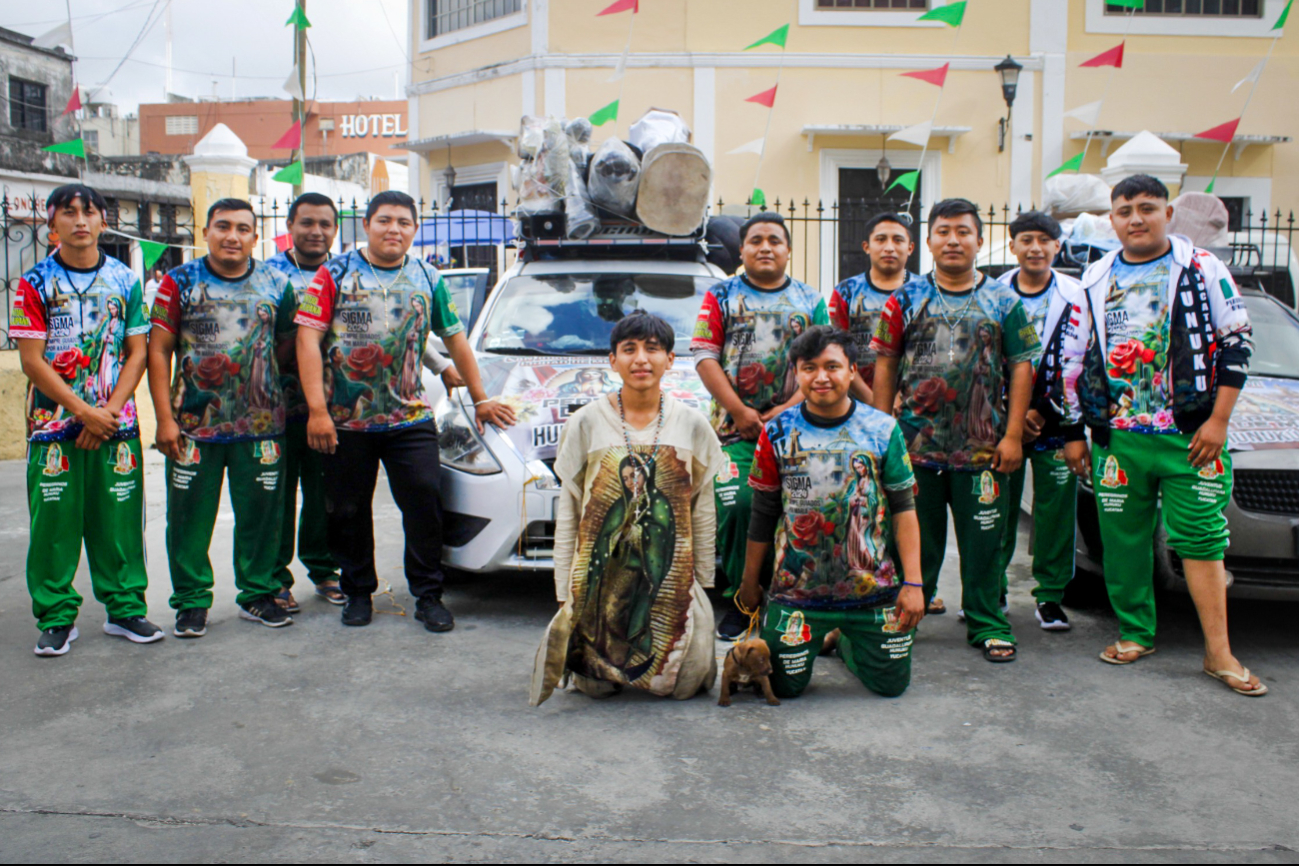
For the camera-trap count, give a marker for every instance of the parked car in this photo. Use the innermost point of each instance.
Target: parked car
(468, 288)
(1263, 439)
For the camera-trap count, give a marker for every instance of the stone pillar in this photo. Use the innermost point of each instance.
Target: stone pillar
(218, 168)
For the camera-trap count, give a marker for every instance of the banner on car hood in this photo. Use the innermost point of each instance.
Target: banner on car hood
(1266, 416)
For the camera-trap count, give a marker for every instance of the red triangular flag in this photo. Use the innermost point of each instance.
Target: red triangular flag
(632, 6)
(933, 76)
(1113, 57)
(74, 103)
(1224, 133)
(766, 97)
(283, 242)
(290, 140)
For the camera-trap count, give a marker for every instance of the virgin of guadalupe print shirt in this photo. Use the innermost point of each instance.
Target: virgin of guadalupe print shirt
(1136, 331)
(295, 404)
(227, 384)
(952, 376)
(376, 322)
(832, 544)
(84, 317)
(855, 307)
(748, 331)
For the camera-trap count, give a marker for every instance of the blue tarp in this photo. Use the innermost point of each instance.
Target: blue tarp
(465, 228)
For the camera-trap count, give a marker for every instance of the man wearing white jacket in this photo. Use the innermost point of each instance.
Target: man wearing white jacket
(1153, 356)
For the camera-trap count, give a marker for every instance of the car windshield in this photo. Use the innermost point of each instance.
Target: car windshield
(461, 287)
(1276, 338)
(573, 314)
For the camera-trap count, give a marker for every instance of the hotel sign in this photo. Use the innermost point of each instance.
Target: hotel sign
(372, 126)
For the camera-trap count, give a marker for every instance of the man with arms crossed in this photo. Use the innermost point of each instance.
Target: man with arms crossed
(1154, 369)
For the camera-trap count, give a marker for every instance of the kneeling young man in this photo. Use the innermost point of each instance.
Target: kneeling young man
(832, 479)
(636, 535)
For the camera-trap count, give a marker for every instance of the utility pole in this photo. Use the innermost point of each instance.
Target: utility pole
(299, 106)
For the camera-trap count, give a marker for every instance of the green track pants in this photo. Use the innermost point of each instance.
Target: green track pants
(1130, 478)
(256, 472)
(302, 467)
(734, 502)
(978, 502)
(1055, 509)
(871, 647)
(97, 497)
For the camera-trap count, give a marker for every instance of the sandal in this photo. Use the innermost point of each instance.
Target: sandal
(1243, 676)
(1117, 646)
(287, 602)
(936, 608)
(332, 594)
(994, 644)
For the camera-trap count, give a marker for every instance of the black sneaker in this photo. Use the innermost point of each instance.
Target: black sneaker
(1052, 617)
(434, 614)
(733, 625)
(358, 610)
(136, 629)
(191, 622)
(56, 641)
(265, 611)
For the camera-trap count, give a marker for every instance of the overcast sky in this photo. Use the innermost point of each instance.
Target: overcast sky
(357, 51)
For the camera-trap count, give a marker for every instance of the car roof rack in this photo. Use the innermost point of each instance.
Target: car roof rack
(544, 237)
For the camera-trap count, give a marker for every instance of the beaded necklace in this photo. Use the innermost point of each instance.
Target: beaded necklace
(640, 464)
(946, 312)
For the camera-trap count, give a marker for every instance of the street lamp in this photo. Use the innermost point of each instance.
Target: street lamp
(1009, 71)
(449, 177)
(883, 168)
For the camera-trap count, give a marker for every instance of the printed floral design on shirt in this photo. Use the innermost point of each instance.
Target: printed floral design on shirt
(952, 376)
(84, 317)
(376, 323)
(748, 331)
(855, 306)
(832, 544)
(227, 382)
(1136, 333)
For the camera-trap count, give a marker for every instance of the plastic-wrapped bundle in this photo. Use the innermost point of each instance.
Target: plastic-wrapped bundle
(544, 176)
(579, 130)
(656, 127)
(613, 178)
(1071, 194)
(582, 219)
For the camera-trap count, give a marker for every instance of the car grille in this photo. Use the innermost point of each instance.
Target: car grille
(538, 541)
(1267, 491)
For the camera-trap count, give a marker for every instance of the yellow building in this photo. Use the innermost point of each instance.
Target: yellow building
(478, 65)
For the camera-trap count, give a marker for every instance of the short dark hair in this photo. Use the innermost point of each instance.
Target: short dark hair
(1035, 221)
(817, 339)
(392, 197)
(1139, 184)
(765, 217)
(311, 198)
(70, 192)
(228, 204)
(640, 325)
(953, 208)
(887, 217)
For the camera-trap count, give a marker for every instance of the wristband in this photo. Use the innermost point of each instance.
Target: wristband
(481, 402)
(916, 585)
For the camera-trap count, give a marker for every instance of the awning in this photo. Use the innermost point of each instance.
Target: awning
(1108, 137)
(469, 228)
(457, 139)
(951, 133)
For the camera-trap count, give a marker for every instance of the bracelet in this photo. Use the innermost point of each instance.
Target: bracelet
(916, 585)
(481, 402)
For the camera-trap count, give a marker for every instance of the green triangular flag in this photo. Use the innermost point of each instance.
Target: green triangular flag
(952, 13)
(606, 114)
(298, 19)
(758, 199)
(775, 37)
(152, 251)
(907, 181)
(1074, 164)
(1212, 183)
(76, 147)
(291, 173)
(1128, 4)
(1285, 13)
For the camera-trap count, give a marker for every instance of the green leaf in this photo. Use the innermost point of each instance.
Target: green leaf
(952, 13)
(775, 37)
(606, 114)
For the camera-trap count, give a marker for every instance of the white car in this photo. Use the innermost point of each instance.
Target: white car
(542, 343)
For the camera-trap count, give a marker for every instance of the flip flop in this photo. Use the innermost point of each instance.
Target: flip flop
(936, 608)
(1243, 676)
(331, 594)
(1141, 651)
(290, 603)
(996, 643)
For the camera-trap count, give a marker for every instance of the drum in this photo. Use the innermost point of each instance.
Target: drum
(674, 183)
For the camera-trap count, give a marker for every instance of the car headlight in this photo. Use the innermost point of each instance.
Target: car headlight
(459, 444)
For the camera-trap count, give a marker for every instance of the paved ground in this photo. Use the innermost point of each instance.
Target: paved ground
(318, 743)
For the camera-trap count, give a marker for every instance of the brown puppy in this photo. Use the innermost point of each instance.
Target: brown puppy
(747, 664)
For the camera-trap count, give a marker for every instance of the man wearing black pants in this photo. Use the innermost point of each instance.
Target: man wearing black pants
(362, 328)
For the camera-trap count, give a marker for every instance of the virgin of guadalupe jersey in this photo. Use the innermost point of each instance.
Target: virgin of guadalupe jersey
(855, 307)
(84, 317)
(227, 383)
(748, 331)
(295, 404)
(376, 321)
(955, 350)
(1137, 333)
(1036, 308)
(834, 538)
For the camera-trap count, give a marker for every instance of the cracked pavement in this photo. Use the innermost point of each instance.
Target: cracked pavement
(319, 743)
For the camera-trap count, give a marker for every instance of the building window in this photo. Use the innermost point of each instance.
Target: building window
(91, 137)
(1195, 8)
(182, 124)
(446, 16)
(27, 105)
(114, 212)
(857, 5)
(167, 219)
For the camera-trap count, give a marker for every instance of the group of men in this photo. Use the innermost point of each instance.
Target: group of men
(301, 371)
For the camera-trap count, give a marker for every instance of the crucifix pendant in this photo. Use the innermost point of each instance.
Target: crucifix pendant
(951, 354)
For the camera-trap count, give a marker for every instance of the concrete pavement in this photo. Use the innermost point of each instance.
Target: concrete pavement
(317, 743)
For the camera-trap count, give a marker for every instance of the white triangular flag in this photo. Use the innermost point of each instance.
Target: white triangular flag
(61, 35)
(917, 135)
(293, 87)
(1086, 113)
(1252, 77)
(621, 69)
(756, 146)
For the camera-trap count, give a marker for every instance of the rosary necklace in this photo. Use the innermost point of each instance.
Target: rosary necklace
(946, 312)
(306, 283)
(641, 464)
(376, 274)
(94, 275)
